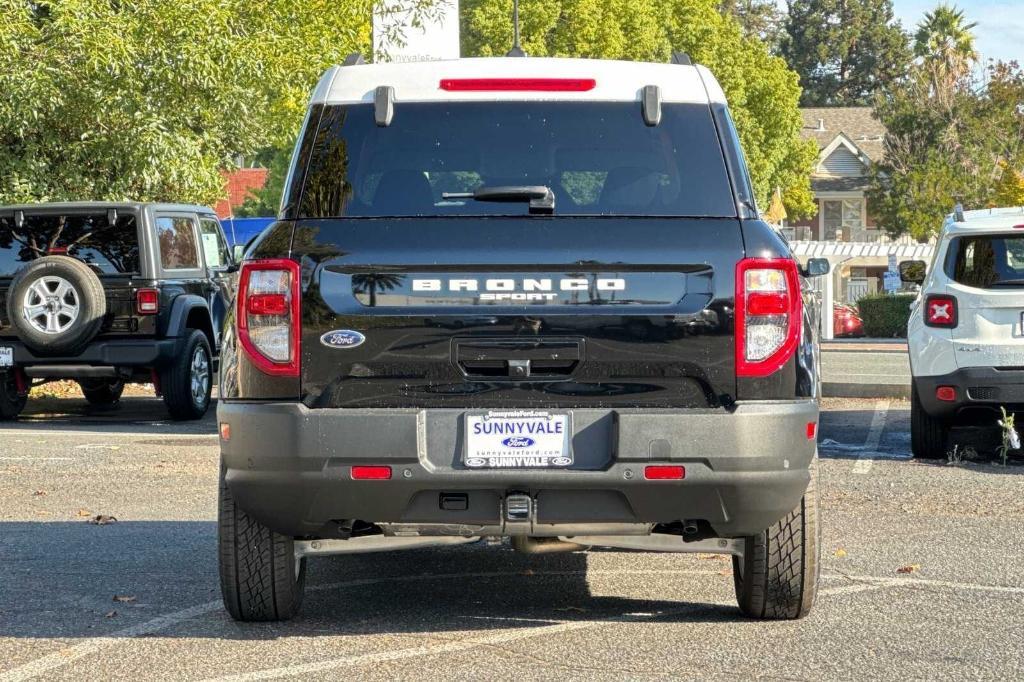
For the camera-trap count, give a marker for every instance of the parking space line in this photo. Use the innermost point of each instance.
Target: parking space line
(70, 654)
(863, 464)
(472, 643)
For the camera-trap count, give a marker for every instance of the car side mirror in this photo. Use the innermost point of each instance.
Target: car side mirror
(816, 267)
(913, 271)
(238, 252)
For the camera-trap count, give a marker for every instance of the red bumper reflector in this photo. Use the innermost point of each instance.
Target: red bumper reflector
(812, 430)
(518, 84)
(946, 393)
(225, 431)
(664, 473)
(371, 473)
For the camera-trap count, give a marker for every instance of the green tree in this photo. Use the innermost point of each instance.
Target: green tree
(758, 18)
(844, 50)
(266, 201)
(151, 99)
(945, 44)
(1009, 191)
(939, 153)
(763, 93)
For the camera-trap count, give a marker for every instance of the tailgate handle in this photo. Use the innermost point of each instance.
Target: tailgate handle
(518, 359)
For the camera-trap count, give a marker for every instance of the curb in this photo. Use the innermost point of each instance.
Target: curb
(839, 389)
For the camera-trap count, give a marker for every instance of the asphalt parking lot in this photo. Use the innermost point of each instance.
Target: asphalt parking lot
(923, 576)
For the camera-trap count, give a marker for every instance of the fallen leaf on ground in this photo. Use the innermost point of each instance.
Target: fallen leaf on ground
(910, 568)
(528, 571)
(39, 493)
(840, 552)
(102, 520)
(110, 614)
(726, 571)
(124, 598)
(84, 512)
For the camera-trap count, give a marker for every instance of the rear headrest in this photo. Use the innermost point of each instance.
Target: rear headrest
(403, 192)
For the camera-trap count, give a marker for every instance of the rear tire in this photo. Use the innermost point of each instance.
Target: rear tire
(928, 434)
(260, 578)
(11, 404)
(183, 397)
(777, 578)
(102, 392)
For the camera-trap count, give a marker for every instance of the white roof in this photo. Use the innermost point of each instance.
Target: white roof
(990, 219)
(616, 81)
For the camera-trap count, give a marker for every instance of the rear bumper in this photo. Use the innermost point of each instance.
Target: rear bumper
(975, 387)
(290, 467)
(100, 353)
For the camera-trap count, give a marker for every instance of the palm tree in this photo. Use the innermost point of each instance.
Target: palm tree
(945, 44)
(372, 283)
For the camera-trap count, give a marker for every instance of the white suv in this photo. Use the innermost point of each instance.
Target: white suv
(965, 330)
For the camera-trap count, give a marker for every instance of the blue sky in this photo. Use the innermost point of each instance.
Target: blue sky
(1000, 30)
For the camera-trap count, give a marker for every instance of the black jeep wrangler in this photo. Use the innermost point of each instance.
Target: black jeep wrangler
(522, 298)
(109, 293)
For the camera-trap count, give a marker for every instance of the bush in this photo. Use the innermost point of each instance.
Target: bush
(886, 315)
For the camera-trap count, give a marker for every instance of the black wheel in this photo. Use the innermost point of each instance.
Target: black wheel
(928, 434)
(260, 578)
(186, 383)
(102, 392)
(11, 404)
(777, 578)
(56, 305)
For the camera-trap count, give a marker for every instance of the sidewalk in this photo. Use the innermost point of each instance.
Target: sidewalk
(865, 368)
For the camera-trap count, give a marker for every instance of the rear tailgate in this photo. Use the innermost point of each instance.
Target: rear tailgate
(521, 312)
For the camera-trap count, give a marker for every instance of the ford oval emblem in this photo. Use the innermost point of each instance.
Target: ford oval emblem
(342, 338)
(518, 442)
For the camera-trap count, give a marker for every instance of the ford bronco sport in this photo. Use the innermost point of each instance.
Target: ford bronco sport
(108, 293)
(523, 298)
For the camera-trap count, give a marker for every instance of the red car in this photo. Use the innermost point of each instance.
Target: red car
(846, 321)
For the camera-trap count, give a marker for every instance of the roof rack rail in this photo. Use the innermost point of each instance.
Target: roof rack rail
(681, 58)
(958, 213)
(354, 59)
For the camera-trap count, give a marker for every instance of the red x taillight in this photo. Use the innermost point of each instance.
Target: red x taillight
(768, 314)
(940, 311)
(268, 315)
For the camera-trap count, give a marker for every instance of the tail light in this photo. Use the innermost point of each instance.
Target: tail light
(940, 311)
(518, 84)
(768, 312)
(147, 301)
(268, 315)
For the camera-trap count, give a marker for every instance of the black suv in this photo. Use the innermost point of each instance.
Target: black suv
(108, 293)
(522, 298)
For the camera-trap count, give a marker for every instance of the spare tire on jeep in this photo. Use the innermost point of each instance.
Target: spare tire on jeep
(56, 305)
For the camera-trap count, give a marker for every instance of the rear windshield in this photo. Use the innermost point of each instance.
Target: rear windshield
(89, 237)
(989, 261)
(598, 158)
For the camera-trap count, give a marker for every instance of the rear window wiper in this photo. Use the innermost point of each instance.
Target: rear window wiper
(541, 198)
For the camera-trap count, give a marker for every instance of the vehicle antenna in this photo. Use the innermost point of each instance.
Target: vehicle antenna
(516, 50)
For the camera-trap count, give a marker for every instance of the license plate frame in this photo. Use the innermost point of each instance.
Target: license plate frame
(521, 439)
(6, 356)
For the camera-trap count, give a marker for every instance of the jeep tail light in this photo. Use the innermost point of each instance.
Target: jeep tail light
(147, 301)
(768, 314)
(268, 315)
(940, 311)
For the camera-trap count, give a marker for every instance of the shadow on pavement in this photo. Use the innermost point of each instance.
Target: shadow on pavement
(61, 579)
(132, 413)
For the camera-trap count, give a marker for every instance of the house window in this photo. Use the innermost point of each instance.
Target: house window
(840, 219)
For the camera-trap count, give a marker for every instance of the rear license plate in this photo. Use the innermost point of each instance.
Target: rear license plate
(6, 356)
(518, 440)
